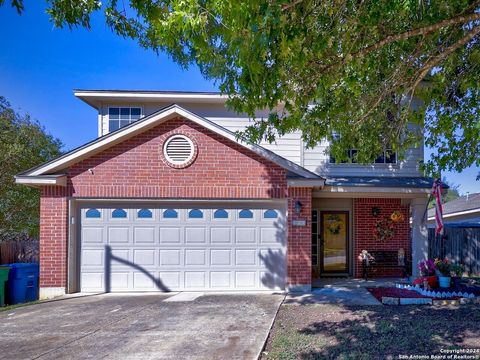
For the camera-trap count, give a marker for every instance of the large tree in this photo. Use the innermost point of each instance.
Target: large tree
(23, 144)
(342, 70)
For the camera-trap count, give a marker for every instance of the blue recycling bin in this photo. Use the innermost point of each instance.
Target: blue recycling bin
(22, 285)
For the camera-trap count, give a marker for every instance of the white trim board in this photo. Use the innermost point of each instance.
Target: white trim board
(149, 122)
(59, 180)
(372, 192)
(459, 213)
(94, 97)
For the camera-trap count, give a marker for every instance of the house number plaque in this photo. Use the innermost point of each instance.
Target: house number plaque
(301, 222)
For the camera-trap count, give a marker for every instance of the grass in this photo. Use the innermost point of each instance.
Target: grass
(11, 307)
(371, 332)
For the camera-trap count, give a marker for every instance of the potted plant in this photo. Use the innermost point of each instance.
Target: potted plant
(427, 272)
(444, 268)
(457, 272)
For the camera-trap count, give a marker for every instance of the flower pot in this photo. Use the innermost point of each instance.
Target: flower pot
(432, 281)
(444, 281)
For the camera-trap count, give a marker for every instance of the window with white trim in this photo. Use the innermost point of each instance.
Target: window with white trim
(388, 157)
(121, 116)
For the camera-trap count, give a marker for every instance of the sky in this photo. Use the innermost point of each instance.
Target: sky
(41, 65)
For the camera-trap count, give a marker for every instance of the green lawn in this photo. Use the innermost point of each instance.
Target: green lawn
(11, 307)
(371, 332)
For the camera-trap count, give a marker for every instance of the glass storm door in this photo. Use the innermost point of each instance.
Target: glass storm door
(334, 242)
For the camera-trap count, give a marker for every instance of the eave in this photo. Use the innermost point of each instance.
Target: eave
(42, 180)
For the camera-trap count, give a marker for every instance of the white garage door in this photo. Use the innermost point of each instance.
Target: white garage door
(182, 247)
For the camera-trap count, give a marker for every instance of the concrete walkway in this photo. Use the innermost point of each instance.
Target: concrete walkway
(340, 291)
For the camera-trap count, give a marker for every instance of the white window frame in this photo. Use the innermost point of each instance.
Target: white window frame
(119, 108)
(355, 163)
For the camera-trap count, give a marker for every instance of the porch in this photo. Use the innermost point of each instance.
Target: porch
(344, 291)
(389, 228)
(330, 225)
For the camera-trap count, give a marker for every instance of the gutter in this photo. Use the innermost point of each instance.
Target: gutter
(42, 180)
(317, 182)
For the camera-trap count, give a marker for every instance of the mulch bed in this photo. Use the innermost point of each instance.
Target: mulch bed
(380, 292)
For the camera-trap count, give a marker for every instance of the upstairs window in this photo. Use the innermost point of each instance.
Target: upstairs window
(120, 116)
(388, 157)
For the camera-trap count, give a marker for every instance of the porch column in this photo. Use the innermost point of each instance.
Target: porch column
(419, 232)
(299, 246)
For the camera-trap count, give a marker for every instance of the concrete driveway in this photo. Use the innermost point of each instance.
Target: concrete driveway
(140, 327)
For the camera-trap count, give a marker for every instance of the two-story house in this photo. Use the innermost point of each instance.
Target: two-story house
(167, 198)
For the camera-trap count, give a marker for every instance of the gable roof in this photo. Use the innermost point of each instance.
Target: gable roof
(142, 125)
(467, 203)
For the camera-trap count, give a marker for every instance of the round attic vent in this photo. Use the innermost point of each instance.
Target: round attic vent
(178, 150)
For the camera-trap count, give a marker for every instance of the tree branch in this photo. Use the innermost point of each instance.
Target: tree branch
(290, 5)
(431, 63)
(460, 19)
(416, 32)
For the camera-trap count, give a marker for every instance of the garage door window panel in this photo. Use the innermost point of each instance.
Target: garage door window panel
(170, 214)
(245, 214)
(195, 214)
(220, 214)
(145, 214)
(119, 214)
(93, 214)
(270, 214)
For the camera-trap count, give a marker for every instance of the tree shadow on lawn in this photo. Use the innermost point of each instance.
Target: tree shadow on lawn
(378, 332)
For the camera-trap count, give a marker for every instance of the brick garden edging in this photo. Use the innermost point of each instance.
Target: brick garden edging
(465, 298)
(435, 294)
(386, 300)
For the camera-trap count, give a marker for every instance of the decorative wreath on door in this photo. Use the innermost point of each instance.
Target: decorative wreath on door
(334, 224)
(384, 229)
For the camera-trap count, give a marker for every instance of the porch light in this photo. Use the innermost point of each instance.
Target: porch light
(298, 207)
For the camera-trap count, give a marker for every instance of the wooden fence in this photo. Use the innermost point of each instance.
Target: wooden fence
(461, 244)
(25, 250)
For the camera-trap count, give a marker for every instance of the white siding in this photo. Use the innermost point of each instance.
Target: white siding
(317, 160)
(289, 146)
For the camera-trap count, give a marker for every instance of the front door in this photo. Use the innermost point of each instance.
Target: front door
(334, 232)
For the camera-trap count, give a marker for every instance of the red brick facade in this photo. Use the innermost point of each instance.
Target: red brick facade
(299, 253)
(53, 237)
(222, 169)
(363, 233)
(136, 168)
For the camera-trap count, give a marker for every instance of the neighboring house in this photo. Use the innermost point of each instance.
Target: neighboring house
(167, 198)
(465, 209)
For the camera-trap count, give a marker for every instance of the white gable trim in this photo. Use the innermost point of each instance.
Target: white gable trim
(149, 122)
(58, 180)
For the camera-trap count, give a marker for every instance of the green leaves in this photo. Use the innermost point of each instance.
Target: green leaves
(23, 144)
(346, 67)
